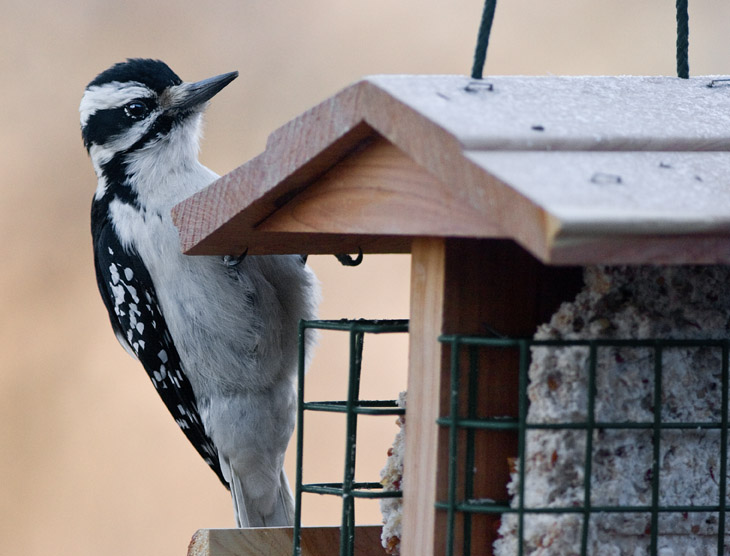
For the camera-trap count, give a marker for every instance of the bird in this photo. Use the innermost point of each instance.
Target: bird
(218, 336)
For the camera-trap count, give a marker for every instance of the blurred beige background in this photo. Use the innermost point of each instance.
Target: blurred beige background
(91, 463)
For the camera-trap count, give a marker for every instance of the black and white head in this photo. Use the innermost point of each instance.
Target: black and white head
(141, 110)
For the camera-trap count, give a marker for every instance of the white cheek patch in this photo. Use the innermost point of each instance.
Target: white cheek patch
(110, 95)
(101, 154)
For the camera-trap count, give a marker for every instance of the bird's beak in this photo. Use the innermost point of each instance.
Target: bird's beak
(189, 96)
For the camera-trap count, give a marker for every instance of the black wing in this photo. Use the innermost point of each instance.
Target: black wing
(134, 311)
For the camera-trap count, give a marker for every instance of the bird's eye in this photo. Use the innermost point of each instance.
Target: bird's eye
(136, 110)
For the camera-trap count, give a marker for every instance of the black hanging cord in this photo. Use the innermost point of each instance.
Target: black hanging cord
(485, 28)
(682, 39)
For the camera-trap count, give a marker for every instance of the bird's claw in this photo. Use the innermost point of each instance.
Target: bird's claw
(230, 261)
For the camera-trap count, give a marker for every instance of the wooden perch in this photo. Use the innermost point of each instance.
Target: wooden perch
(277, 541)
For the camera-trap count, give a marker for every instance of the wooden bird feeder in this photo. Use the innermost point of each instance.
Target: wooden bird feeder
(500, 189)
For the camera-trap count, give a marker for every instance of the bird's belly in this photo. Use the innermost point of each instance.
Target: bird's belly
(235, 328)
(230, 328)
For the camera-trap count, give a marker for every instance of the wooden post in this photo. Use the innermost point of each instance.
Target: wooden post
(467, 286)
(420, 482)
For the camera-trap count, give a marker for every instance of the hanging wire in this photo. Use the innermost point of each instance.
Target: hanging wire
(682, 39)
(485, 28)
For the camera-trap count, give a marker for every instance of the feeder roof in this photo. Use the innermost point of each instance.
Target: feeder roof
(578, 170)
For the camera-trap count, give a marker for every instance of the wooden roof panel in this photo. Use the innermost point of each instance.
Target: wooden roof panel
(571, 113)
(620, 192)
(575, 169)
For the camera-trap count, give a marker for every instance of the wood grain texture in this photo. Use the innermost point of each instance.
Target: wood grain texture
(277, 541)
(664, 249)
(493, 287)
(468, 286)
(423, 531)
(295, 154)
(532, 156)
(379, 191)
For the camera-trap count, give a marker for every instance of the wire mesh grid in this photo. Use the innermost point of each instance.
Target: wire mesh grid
(462, 424)
(352, 407)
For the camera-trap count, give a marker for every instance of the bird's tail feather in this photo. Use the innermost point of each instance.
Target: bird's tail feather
(252, 512)
(285, 499)
(239, 503)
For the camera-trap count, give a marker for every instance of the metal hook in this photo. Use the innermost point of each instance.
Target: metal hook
(347, 260)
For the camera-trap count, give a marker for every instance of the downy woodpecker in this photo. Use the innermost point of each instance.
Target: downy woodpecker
(217, 336)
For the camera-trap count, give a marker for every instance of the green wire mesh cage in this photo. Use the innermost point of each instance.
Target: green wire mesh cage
(625, 478)
(352, 407)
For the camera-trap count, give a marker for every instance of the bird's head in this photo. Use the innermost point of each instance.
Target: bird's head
(141, 108)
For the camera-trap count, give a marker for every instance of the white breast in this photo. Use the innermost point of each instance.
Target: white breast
(235, 328)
